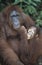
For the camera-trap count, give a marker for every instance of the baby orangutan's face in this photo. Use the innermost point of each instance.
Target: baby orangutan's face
(31, 32)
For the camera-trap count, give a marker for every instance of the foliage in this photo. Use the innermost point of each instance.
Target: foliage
(30, 7)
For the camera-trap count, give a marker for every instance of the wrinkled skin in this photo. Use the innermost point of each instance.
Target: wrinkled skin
(15, 49)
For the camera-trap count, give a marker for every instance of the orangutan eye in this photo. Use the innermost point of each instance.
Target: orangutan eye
(15, 19)
(31, 32)
(14, 14)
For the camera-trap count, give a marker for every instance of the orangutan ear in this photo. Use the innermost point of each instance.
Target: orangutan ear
(31, 32)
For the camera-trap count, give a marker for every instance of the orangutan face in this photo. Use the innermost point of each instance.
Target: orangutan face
(15, 19)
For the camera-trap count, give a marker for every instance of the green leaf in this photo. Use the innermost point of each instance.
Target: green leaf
(16, 2)
(0, 0)
(31, 9)
(37, 0)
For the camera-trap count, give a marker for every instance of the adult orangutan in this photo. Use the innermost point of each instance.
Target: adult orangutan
(12, 35)
(20, 42)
